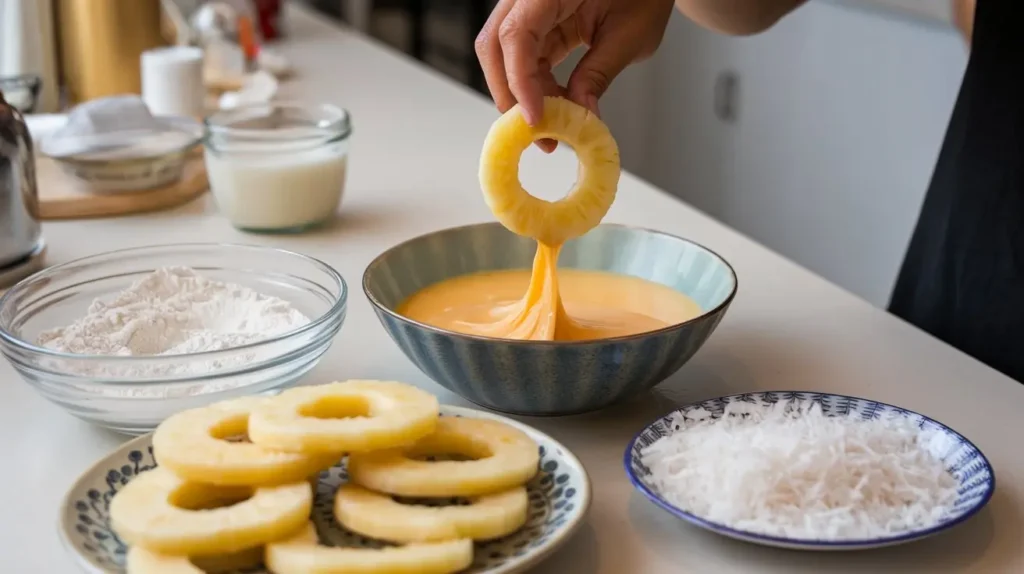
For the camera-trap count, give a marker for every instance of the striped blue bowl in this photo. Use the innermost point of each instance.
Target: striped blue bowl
(544, 377)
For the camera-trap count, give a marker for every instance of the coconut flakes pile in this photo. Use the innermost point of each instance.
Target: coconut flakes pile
(794, 472)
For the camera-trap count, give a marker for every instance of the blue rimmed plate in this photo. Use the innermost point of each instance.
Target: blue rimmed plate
(559, 500)
(962, 459)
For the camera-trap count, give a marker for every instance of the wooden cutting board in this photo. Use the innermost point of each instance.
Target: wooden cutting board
(62, 196)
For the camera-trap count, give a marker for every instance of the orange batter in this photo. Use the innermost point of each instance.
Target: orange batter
(562, 305)
(545, 304)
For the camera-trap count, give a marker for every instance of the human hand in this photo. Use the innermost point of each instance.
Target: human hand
(524, 39)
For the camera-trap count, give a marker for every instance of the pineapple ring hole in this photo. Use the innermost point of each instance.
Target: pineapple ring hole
(198, 497)
(444, 456)
(232, 429)
(557, 180)
(433, 502)
(453, 447)
(336, 407)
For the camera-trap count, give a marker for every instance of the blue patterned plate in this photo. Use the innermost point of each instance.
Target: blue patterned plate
(559, 500)
(962, 459)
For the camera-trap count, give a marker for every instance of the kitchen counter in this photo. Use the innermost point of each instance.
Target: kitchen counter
(413, 170)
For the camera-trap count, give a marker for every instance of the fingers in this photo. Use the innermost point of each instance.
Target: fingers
(517, 47)
(523, 35)
(554, 47)
(560, 42)
(607, 57)
(550, 87)
(488, 51)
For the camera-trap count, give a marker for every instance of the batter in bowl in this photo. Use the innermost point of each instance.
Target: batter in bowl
(547, 304)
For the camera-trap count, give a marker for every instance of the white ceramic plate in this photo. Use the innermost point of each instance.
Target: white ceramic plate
(559, 500)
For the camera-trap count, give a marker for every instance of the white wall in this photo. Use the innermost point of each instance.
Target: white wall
(840, 115)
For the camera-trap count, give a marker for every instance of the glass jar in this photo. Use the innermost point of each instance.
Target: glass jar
(278, 167)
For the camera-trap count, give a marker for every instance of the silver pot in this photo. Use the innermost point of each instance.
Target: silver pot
(19, 200)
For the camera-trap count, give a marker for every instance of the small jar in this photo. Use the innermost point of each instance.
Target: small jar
(278, 167)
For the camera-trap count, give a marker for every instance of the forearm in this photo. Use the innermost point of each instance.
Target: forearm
(737, 17)
(963, 17)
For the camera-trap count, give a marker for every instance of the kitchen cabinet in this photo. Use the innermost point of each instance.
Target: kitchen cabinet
(816, 138)
(694, 117)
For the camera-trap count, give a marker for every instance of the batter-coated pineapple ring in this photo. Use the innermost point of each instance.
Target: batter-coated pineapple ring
(155, 510)
(190, 444)
(380, 415)
(551, 223)
(143, 561)
(503, 457)
(301, 554)
(379, 516)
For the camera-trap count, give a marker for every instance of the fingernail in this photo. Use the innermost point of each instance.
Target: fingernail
(529, 117)
(592, 104)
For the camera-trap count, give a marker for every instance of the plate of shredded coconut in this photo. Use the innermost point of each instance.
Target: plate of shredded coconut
(809, 471)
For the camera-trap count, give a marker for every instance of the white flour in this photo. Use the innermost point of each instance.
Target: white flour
(174, 311)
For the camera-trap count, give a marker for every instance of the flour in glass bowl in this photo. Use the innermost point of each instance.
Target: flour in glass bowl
(174, 311)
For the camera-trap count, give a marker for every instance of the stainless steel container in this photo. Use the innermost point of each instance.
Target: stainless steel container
(19, 200)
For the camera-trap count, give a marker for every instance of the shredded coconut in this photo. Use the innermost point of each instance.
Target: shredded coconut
(795, 472)
(174, 311)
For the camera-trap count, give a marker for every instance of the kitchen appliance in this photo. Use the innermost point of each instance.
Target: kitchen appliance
(21, 244)
(28, 47)
(101, 43)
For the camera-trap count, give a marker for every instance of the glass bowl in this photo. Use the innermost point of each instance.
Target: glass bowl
(133, 394)
(278, 167)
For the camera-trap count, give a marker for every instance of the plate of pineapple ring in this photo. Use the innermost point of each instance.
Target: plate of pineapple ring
(354, 476)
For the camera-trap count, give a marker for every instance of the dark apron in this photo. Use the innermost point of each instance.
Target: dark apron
(963, 275)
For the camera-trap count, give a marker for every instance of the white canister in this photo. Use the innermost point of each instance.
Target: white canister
(172, 81)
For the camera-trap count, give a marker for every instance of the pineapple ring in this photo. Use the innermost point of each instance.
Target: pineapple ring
(379, 516)
(504, 457)
(550, 223)
(388, 415)
(143, 561)
(155, 511)
(190, 445)
(301, 554)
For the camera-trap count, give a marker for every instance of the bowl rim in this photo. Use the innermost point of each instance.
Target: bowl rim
(339, 305)
(518, 342)
(172, 122)
(338, 127)
(179, 156)
(806, 543)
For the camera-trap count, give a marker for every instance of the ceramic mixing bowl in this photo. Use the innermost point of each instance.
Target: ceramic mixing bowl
(544, 377)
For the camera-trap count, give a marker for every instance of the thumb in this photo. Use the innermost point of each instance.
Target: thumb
(606, 58)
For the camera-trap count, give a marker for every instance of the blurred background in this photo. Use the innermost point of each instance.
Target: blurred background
(816, 138)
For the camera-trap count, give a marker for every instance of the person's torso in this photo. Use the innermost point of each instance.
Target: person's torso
(963, 276)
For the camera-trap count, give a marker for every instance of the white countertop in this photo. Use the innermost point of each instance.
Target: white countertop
(414, 170)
